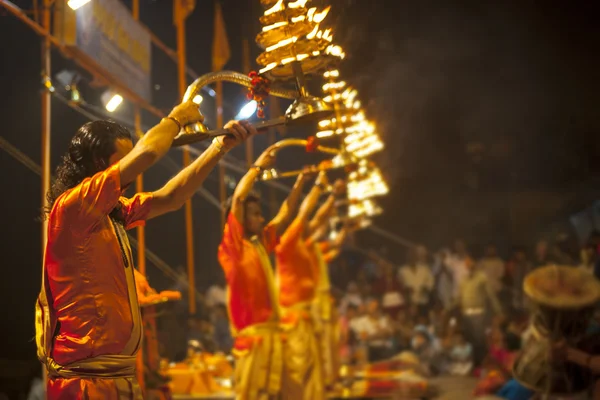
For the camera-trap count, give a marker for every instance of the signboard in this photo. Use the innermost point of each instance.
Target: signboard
(105, 31)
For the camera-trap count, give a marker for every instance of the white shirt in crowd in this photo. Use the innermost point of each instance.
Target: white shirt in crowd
(419, 279)
(493, 268)
(216, 295)
(458, 268)
(368, 326)
(353, 299)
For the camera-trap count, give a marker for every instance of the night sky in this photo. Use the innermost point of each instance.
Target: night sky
(488, 109)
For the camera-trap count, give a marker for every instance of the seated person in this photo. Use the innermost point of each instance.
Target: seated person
(460, 356)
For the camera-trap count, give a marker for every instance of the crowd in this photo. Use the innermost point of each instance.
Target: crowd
(461, 315)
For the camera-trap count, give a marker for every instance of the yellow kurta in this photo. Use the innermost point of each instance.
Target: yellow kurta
(297, 276)
(326, 321)
(253, 310)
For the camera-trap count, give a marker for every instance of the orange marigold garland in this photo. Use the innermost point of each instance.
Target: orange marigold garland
(259, 92)
(312, 143)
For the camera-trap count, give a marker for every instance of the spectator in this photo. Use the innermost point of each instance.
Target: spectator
(444, 285)
(475, 294)
(352, 297)
(516, 269)
(460, 356)
(216, 293)
(493, 267)
(375, 331)
(541, 256)
(458, 265)
(417, 279)
(222, 330)
(389, 289)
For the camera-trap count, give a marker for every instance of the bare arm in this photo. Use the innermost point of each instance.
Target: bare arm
(246, 184)
(183, 186)
(289, 207)
(321, 215)
(310, 202)
(584, 359)
(156, 142)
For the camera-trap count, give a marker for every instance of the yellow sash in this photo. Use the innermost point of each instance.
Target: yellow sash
(103, 366)
(259, 368)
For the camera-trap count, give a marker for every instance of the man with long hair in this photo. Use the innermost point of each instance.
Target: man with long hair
(252, 298)
(88, 325)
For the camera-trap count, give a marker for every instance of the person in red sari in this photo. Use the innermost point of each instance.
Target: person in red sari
(88, 324)
(252, 298)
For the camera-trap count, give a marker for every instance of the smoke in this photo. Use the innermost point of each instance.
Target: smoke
(444, 80)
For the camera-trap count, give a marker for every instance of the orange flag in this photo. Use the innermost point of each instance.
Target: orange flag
(220, 49)
(182, 9)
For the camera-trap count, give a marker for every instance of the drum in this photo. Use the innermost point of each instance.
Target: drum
(563, 301)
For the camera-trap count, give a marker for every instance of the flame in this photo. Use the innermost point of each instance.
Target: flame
(297, 4)
(282, 43)
(323, 134)
(273, 26)
(277, 7)
(333, 86)
(299, 18)
(370, 186)
(332, 74)
(267, 68)
(319, 17)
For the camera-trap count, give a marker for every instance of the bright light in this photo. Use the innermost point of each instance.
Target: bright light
(111, 101)
(248, 110)
(197, 99)
(75, 4)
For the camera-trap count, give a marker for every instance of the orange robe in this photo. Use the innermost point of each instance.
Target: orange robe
(88, 324)
(253, 311)
(297, 277)
(326, 320)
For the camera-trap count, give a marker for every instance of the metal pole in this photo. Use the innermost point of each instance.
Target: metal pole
(189, 228)
(246, 69)
(141, 236)
(222, 188)
(46, 118)
(45, 145)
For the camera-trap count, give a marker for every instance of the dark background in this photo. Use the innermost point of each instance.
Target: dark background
(488, 110)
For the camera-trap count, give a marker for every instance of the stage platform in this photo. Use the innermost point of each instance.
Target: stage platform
(446, 388)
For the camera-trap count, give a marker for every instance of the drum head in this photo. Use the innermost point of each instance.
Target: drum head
(562, 287)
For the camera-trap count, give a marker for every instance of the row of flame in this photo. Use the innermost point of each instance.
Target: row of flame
(360, 139)
(358, 135)
(312, 16)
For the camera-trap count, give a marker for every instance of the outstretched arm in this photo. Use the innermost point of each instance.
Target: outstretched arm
(310, 202)
(289, 207)
(156, 142)
(321, 217)
(183, 186)
(246, 184)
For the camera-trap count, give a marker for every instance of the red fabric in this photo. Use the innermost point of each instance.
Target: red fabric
(87, 288)
(248, 295)
(297, 270)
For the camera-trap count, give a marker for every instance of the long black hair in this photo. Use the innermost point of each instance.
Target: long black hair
(89, 152)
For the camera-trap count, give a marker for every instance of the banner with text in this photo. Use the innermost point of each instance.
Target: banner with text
(106, 32)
